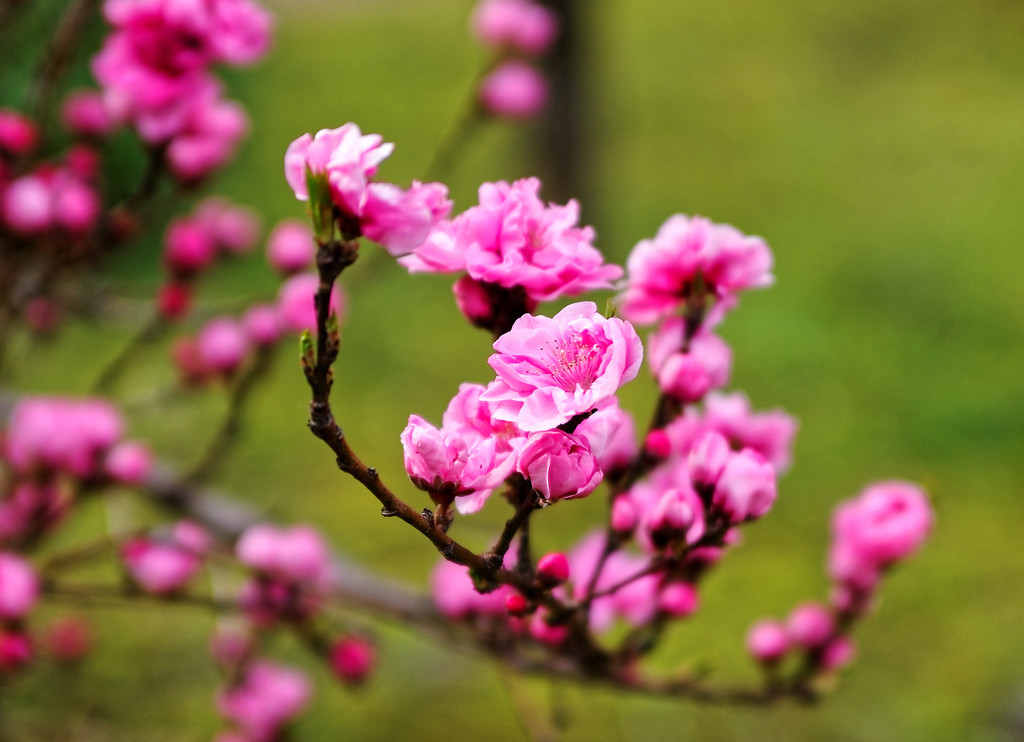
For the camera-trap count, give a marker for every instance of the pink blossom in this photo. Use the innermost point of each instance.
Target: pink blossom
(84, 113)
(514, 90)
(611, 435)
(19, 586)
(447, 463)
(678, 516)
(769, 433)
(810, 625)
(27, 206)
(553, 568)
(513, 239)
(18, 135)
(30, 510)
(559, 465)
(295, 302)
(636, 600)
(767, 641)
(76, 204)
(188, 246)
(129, 462)
(351, 659)
(456, 597)
(261, 324)
(624, 516)
(439, 253)
(887, 522)
(15, 650)
(173, 300)
(296, 554)
(678, 599)
(240, 31)
(209, 131)
(838, 653)
(345, 155)
(222, 346)
(290, 247)
(707, 459)
(68, 638)
(662, 273)
(234, 229)
(520, 24)
(746, 488)
(159, 568)
(267, 697)
(688, 375)
(400, 220)
(61, 433)
(552, 369)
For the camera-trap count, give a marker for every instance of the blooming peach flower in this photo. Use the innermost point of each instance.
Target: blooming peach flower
(551, 369)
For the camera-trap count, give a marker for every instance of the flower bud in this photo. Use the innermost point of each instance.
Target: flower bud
(810, 625)
(767, 641)
(553, 569)
(559, 465)
(352, 659)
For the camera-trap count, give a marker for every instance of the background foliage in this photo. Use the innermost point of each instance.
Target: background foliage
(877, 146)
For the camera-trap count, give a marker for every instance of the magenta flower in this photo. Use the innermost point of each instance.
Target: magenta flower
(513, 239)
(159, 568)
(267, 697)
(520, 24)
(662, 272)
(559, 466)
(19, 586)
(552, 369)
(746, 487)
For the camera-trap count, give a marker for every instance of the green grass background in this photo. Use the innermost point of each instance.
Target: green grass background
(877, 146)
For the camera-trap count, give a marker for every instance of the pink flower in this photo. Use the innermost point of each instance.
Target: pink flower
(707, 459)
(65, 434)
(18, 135)
(159, 568)
(662, 273)
(746, 487)
(553, 568)
(345, 155)
(85, 114)
(19, 587)
(688, 375)
(767, 641)
(400, 220)
(295, 554)
(234, 229)
(206, 138)
(295, 302)
(515, 90)
(188, 246)
(222, 346)
(27, 206)
(261, 324)
(677, 516)
(611, 435)
(559, 465)
(290, 247)
(456, 597)
(129, 462)
(552, 369)
(520, 24)
(810, 625)
(68, 638)
(448, 464)
(267, 697)
(887, 522)
(513, 239)
(769, 433)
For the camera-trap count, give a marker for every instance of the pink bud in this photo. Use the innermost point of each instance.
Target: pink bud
(18, 134)
(810, 625)
(129, 462)
(159, 568)
(352, 659)
(76, 206)
(261, 325)
(839, 653)
(295, 306)
(560, 466)
(27, 206)
(188, 247)
(516, 604)
(19, 587)
(290, 247)
(85, 114)
(624, 516)
(746, 487)
(678, 599)
(173, 300)
(222, 345)
(15, 650)
(234, 229)
(767, 641)
(553, 569)
(678, 514)
(707, 459)
(515, 90)
(544, 632)
(67, 638)
(658, 444)
(474, 302)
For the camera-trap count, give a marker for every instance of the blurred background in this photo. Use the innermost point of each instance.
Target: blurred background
(877, 146)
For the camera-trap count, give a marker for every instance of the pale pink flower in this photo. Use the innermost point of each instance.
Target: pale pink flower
(19, 586)
(688, 375)
(456, 597)
(266, 698)
(611, 435)
(296, 554)
(552, 369)
(662, 272)
(400, 220)
(84, 113)
(514, 90)
(209, 131)
(234, 229)
(559, 465)
(27, 205)
(261, 324)
(61, 433)
(512, 239)
(439, 253)
(521, 24)
(290, 247)
(770, 433)
(295, 302)
(746, 487)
